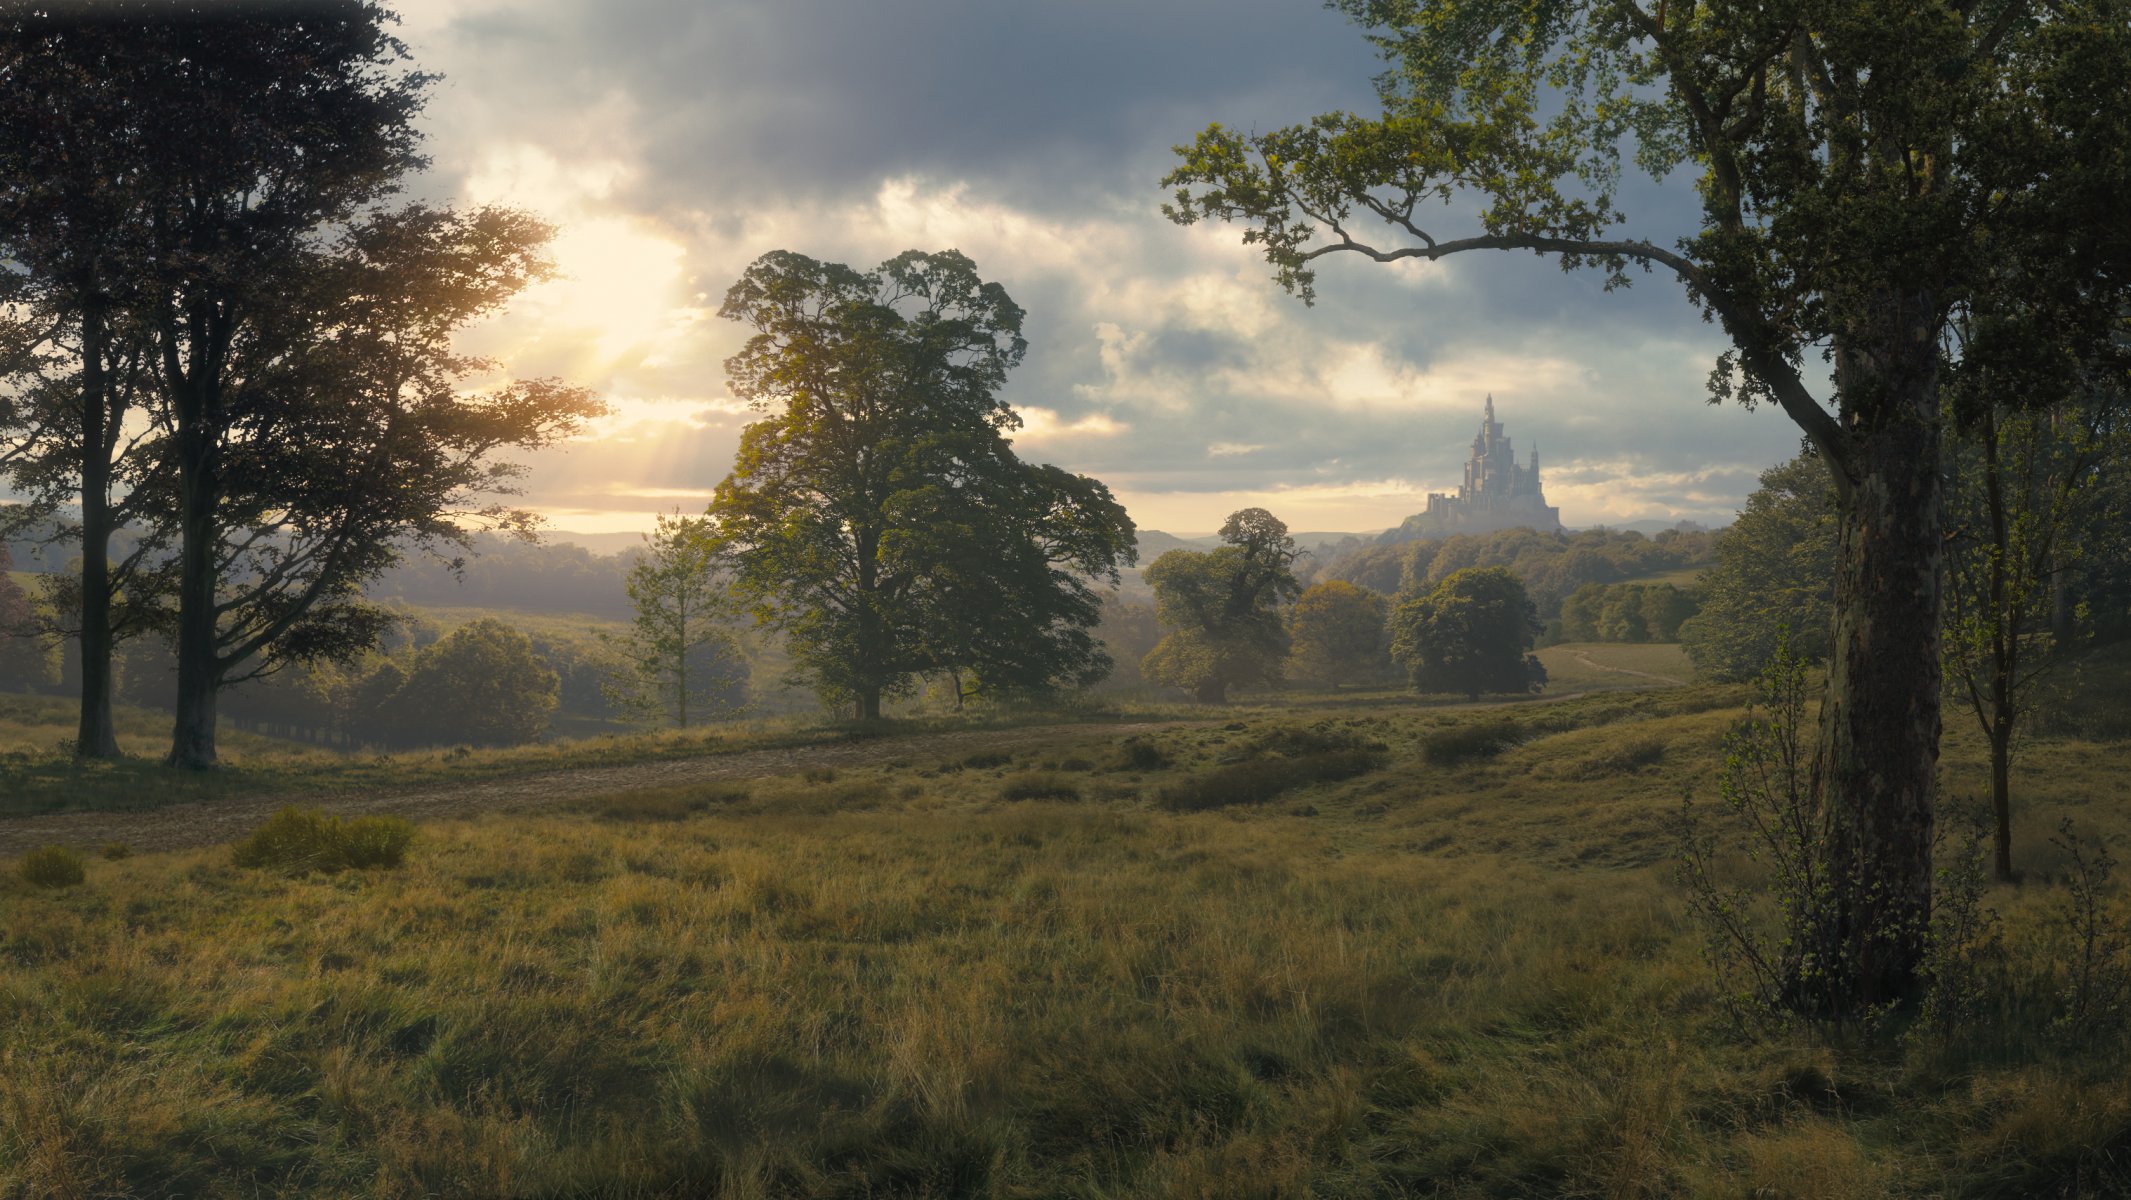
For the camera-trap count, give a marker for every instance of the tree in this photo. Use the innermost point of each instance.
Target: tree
(679, 661)
(1223, 608)
(74, 353)
(879, 517)
(1336, 633)
(481, 684)
(308, 422)
(1865, 171)
(2023, 482)
(1774, 571)
(1469, 634)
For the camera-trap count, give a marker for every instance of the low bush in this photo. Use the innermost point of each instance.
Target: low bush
(1039, 785)
(52, 867)
(1260, 780)
(985, 759)
(303, 839)
(1135, 754)
(1470, 743)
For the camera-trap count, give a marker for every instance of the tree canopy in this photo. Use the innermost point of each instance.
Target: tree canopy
(1336, 633)
(1469, 634)
(879, 516)
(1774, 571)
(1223, 608)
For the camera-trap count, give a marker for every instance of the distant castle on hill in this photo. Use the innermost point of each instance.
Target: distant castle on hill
(1497, 492)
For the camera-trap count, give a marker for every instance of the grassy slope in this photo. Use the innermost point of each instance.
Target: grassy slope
(1462, 982)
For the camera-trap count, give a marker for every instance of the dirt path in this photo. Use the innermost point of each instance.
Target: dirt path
(215, 822)
(1584, 657)
(181, 826)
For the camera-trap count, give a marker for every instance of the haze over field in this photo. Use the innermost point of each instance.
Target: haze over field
(674, 142)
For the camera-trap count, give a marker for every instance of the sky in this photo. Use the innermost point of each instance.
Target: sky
(672, 142)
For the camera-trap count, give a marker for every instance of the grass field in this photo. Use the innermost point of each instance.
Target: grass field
(1416, 981)
(1587, 666)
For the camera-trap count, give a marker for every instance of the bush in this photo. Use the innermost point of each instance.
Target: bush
(985, 759)
(1260, 780)
(53, 867)
(1039, 785)
(1468, 743)
(1137, 755)
(303, 839)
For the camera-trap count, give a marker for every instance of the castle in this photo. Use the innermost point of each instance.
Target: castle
(1496, 494)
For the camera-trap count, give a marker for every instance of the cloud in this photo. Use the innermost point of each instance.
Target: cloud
(674, 141)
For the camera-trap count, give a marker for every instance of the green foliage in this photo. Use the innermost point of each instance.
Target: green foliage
(1550, 565)
(1624, 612)
(681, 662)
(52, 867)
(1469, 635)
(1139, 754)
(481, 685)
(1223, 606)
(304, 839)
(1774, 572)
(1336, 633)
(880, 517)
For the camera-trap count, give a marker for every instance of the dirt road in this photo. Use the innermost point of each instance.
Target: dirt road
(180, 826)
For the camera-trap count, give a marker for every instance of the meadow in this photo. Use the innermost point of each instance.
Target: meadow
(1051, 973)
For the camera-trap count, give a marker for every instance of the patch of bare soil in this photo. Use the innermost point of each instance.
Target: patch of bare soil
(181, 826)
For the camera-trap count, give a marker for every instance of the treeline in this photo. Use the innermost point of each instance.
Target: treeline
(1551, 566)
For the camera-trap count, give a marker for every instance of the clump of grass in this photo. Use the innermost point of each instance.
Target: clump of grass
(1039, 785)
(662, 804)
(1624, 759)
(304, 839)
(113, 851)
(1470, 743)
(1297, 742)
(1138, 754)
(52, 867)
(1260, 780)
(986, 759)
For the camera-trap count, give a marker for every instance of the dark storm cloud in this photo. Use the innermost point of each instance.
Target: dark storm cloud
(742, 102)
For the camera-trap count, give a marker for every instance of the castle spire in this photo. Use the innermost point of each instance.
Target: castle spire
(1490, 407)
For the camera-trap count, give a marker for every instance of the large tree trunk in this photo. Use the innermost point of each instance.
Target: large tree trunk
(869, 704)
(192, 736)
(95, 736)
(1875, 774)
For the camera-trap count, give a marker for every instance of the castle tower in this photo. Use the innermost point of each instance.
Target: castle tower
(1498, 492)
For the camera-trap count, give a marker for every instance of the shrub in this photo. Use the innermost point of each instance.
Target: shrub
(1039, 785)
(53, 867)
(1260, 780)
(303, 839)
(1137, 755)
(1467, 743)
(985, 759)
(113, 851)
